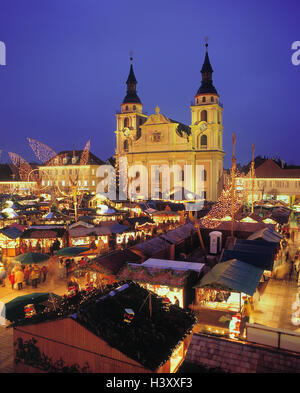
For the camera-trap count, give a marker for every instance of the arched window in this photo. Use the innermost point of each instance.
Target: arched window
(204, 175)
(204, 115)
(134, 107)
(126, 145)
(126, 122)
(203, 142)
(203, 99)
(126, 107)
(138, 133)
(212, 99)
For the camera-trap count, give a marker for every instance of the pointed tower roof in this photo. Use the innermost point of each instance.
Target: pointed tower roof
(131, 96)
(131, 77)
(207, 86)
(206, 65)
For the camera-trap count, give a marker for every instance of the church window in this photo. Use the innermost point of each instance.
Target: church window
(126, 146)
(212, 99)
(204, 175)
(204, 115)
(126, 107)
(203, 142)
(138, 133)
(134, 107)
(203, 99)
(126, 122)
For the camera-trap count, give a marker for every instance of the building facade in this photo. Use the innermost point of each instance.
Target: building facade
(66, 169)
(272, 182)
(157, 142)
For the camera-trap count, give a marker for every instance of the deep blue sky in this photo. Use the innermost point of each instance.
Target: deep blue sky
(68, 61)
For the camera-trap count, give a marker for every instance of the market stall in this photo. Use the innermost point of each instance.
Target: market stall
(169, 279)
(224, 286)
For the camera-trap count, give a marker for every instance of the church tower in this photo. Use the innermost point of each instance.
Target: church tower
(131, 117)
(207, 130)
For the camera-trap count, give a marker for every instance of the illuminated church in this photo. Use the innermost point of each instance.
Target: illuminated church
(158, 140)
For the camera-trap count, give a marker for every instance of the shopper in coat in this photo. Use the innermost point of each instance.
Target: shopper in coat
(19, 278)
(11, 278)
(34, 276)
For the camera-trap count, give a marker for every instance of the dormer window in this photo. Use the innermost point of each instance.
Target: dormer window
(74, 160)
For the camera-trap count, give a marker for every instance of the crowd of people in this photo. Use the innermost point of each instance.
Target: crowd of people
(27, 275)
(290, 257)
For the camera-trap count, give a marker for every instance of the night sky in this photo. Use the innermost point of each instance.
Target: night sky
(68, 61)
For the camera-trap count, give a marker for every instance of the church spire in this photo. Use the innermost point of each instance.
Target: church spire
(207, 86)
(131, 96)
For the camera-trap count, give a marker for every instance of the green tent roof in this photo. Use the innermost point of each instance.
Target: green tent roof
(233, 275)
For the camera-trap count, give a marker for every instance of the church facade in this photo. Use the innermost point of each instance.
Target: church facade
(157, 142)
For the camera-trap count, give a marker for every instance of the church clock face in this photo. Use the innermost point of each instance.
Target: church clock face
(203, 126)
(126, 131)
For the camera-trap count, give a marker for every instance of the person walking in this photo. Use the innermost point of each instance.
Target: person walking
(61, 268)
(246, 314)
(19, 278)
(34, 276)
(27, 273)
(44, 272)
(11, 278)
(2, 275)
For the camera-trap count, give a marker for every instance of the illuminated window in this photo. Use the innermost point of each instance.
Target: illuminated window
(176, 358)
(93, 183)
(63, 183)
(85, 183)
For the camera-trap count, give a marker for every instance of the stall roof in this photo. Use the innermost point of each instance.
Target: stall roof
(154, 275)
(264, 261)
(256, 243)
(12, 233)
(179, 234)
(152, 246)
(266, 234)
(233, 275)
(114, 261)
(176, 265)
